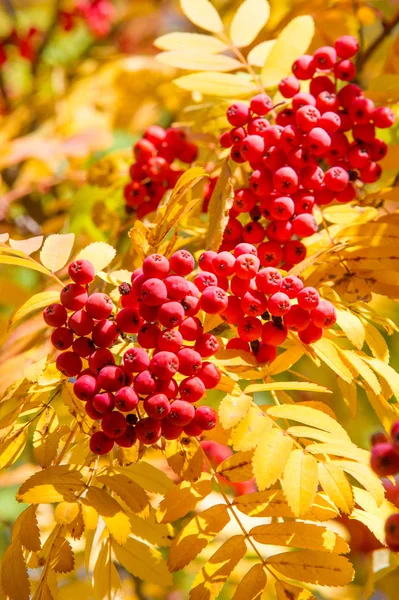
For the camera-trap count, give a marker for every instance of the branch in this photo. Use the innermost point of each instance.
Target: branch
(387, 28)
(47, 37)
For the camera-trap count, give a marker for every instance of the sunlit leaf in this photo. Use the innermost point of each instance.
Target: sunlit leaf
(249, 20)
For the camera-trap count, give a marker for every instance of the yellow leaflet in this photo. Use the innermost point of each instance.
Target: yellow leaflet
(327, 352)
(12, 447)
(129, 491)
(311, 566)
(46, 437)
(370, 514)
(116, 277)
(182, 499)
(287, 591)
(90, 517)
(138, 235)
(286, 359)
(202, 14)
(27, 531)
(299, 535)
(77, 527)
(34, 303)
(128, 456)
(237, 467)
(183, 41)
(390, 376)
(249, 20)
(99, 254)
(302, 431)
(270, 458)
(56, 251)
(186, 457)
(340, 449)
(61, 557)
(217, 569)
(383, 409)
(149, 477)
(196, 535)
(343, 214)
(376, 342)
(53, 484)
(143, 561)
(300, 481)
(10, 410)
(335, 484)
(217, 84)
(156, 534)
(23, 262)
(309, 416)
(293, 41)
(192, 60)
(252, 428)
(28, 246)
(352, 327)
(272, 503)
(106, 581)
(234, 358)
(66, 512)
(219, 207)
(252, 584)
(14, 574)
(349, 395)
(232, 409)
(365, 476)
(300, 386)
(258, 55)
(111, 511)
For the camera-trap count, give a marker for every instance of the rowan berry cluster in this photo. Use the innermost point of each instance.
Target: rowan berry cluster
(98, 15)
(385, 463)
(259, 302)
(156, 170)
(141, 398)
(310, 153)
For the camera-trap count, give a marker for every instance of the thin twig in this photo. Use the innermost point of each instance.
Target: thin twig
(387, 28)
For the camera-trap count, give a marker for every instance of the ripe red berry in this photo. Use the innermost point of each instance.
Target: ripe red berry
(155, 134)
(170, 340)
(329, 121)
(370, 173)
(384, 460)
(261, 104)
(266, 353)
(114, 424)
(192, 389)
(153, 292)
(111, 378)
(155, 266)
(104, 333)
(318, 141)
(310, 334)
(103, 403)
(294, 252)
(282, 208)
(182, 413)
(291, 286)
(209, 375)
(73, 296)
(177, 287)
(192, 429)
(253, 303)
(324, 315)
(237, 344)
(278, 304)
(252, 148)
(213, 300)
(81, 323)
(170, 431)
(127, 439)
(307, 117)
(157, 406)
(85, 387)
(383, 117)
(55, 315)
(285, 180)
(269, 280)
(191, 328)
(136, 360)
(164, 364)
(270, 254)
(304, 225)
(206, 345)
(304, 67)
(99, 306)
(346, 46)
(325, 57)
(225, 140)
(182, 263)
(126, 399)
(308, 298)
(345, 70)
(100, 358)
(238, 114)
(62, 338)
(81, 271)
(69, 364)
(246, 266)
(379, 438)
(336, 179)
(100, 443)
(392, 532)
(205, 417)
(274, 334)
(190, 361)
(148, 431)
(145, 383)
(143, 150)
(289, 86)
(297, 318)
(249, 329)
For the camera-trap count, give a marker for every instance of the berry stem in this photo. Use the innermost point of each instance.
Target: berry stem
(333, 243)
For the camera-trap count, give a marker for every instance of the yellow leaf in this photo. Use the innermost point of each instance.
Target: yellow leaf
(300, 481)
(128, 490)
(217, 84)
(309, 416)
(53, 484)
(61, 557)
(237, 467)
(46, 437)
(106, 580)
(219, 207)
(138, 235)
(202, 14)
(258, 55)
(28, 246)
(34, 303)
(251, 585)
(183, 41)
(56, 251)
(182, 499)
(299, 535)
(311, 566)
(111, 511)
(287, 591)
(232, 409)
(338, 449)
(99, 254)
(143, 562)
(352, 327)
(251, 429)
(302, 431)
(214, 574)
(286, 359)
(149, 477)
(371, 515)
(270, 458)
(300, 386)
(376, 342)
(14, 574)
(272, 503)
(336, 486)
(186, 457)
(12, 447)
(327, 352)
(152, 532)
(365, 476)
(90, 517)
(66, 512)
(23, 262)
(349, 396)
(27, 530)
(359, 367)
(292, 42)
(389, 375)
(76, 408)
(249, 20)
(197, 534)
(193, 60)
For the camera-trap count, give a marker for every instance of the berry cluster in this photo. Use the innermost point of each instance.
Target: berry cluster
(98, 15)
(311, 154)
(161, 377)
(154, 173)
(385, 463)
(260, 302)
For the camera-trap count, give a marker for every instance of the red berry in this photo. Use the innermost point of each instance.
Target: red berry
(129, 320)
(100, 443)
(253, 232)
(270, 254)
(111, 378)
(291, 286)
(73, 296)
(336, 179)
(153, 292)
(136, 360)
(104, 333)
(361, 110)
(126, 399)
(252, 148)
(225, 140)
(206, 345)
(256, 126)
(238, 114)
(289, 86)
(209, 375)
(371, 173)
(190, 329)
(379, 438)
(308, 298)
(62, 338)
(193, 430)
(143, 150)
(297, 318)
(177, 287)
(310, 334)
(145, 383)
(307, 117)
(304, 67)
(191, 305)
(192, 389)
(392, 532)
(325, 57)
(204, 280)
(318, 141)
(214, 300)
(346, 46)
(103, 403)
(329, 121)
(244, 201)
(168, 387)
(324, 315)
(384, 460)
(164, 364)
(114, 424)
(253, 303)
(294, 252)
(170, 431)
(181, 413)
(237, 344)
(205, 417)
(127, 439)
(269, 280)
(190, 361)
(155, 134)
(285, 180)
(182, 262)
(55, 315)
(69, 364)
(261, 104)
(278, 304)
(266, 353)
(244, 248)
(170, 340)
(80, 323)
(157, 406)
(100, 358)
(81, 271)
(383, 117)
(249, 329)
(246, 266)
(85, 387)
(345, 70)
(274, 334)
(148, 431)
(171, 314)
(304, 225)
(321, 84)
(99, 306)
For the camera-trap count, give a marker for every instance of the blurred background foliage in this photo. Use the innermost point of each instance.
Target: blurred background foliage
(75, 92)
